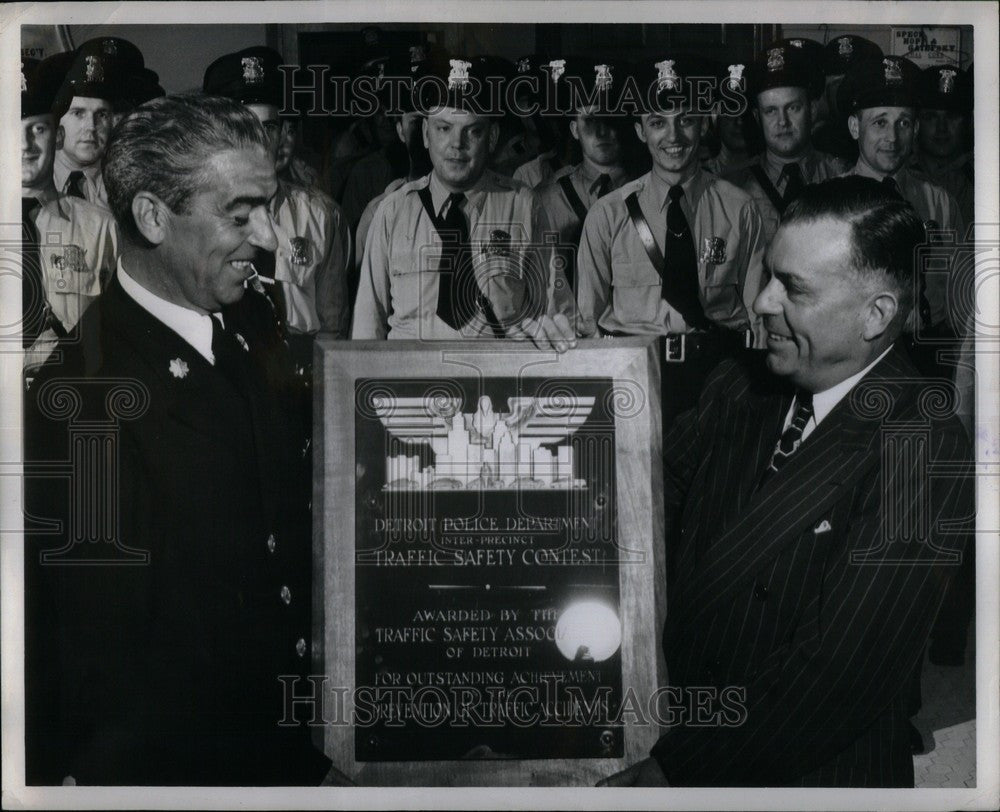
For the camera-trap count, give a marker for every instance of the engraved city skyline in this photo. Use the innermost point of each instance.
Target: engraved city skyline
(526, 446)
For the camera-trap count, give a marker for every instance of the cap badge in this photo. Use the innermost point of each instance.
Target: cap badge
(24, 82)
(845, 47)
(797, 43)
(603, 79)
(253, 70)
(381, 71)
(417, 54)
(110, 47)
(558, 67)
(178, 368)
(775, 59)
(523, 65)
(95, 71)
(893, 72)
(666, 76)
(301, 255)
(459, 75)
(946, 80)
(735, 76)
(713, 250)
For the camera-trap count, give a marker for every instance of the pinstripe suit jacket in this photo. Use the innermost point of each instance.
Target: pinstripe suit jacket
(791, 593)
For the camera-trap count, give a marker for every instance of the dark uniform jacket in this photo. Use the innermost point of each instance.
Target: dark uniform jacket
(153, 653)
(788, 591)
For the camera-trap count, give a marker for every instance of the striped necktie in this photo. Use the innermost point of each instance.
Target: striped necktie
(791, 437)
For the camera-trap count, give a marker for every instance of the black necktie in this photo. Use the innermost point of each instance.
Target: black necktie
(680, 261)
(75, 184)
(456, 296)
(602, 185)
(226, 352)
(34, 305)
(791, 437)
(793, 182)
(890, 184)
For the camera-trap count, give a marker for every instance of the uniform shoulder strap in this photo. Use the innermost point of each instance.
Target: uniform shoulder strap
(574, 199)
(765, 183)
(645, 235)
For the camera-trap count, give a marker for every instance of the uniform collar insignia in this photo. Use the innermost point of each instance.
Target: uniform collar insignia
(666, 76)
(459, 75)
(178, 368)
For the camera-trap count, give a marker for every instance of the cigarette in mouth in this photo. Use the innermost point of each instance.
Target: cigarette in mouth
(258, 278)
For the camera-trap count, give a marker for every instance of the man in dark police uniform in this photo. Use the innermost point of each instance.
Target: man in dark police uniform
(154, 654)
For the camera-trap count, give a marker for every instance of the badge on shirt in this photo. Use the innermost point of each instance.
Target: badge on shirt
(713, 250)
(499, 244)
(301, 251)
(71, 259)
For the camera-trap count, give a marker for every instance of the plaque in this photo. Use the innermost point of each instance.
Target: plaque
(489, 576)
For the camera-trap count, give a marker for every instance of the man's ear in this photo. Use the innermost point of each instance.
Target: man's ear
(423, 128)
(574, 129)
(494, 136)
(854, 126)
(706, 122)
(151, 216)
(639, 132)
(882, 310)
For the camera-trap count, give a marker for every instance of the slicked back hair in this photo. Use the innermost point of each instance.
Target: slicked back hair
(163, 147)
(885, 229)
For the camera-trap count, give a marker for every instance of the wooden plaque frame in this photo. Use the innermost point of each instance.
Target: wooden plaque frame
(640, 520)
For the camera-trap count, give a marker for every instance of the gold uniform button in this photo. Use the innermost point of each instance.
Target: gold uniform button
(300, 647)
(286, 595)
(271, 543)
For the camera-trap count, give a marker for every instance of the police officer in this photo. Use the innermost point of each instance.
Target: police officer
(311, 263)
(457, 254)
(85, 107)
(71, 246)
(730, 130)
(840, 55)
(678, 252)
(555, 144)
(599, 132)
(943, 151)
(881, 99)
(784, 85)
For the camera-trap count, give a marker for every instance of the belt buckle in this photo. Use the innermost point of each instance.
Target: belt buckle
(675, 349)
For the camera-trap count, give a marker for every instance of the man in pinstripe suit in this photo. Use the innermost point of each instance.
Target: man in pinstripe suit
(815, 543)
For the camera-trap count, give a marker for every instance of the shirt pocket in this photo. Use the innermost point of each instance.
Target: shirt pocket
(636, 293)
(411, 289)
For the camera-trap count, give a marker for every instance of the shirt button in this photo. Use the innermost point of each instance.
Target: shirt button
(300, 647)
(286, 595)
(760, 592)
(271, 543)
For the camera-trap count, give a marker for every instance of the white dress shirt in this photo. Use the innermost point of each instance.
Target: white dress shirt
(195, 328)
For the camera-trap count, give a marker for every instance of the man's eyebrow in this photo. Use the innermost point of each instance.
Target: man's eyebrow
(249, 200)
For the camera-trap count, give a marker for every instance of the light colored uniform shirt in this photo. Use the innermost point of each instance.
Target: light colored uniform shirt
(619, 290)
(537, 170)
(725, 162)
(939, 211)
(93, 186)
(815, 166)
(957, 178)
(398, 289)
(365, 223)
(561, 215)
(78, 246)
(311, 263)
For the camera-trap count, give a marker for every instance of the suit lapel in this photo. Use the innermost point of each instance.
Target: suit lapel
(835, 456)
